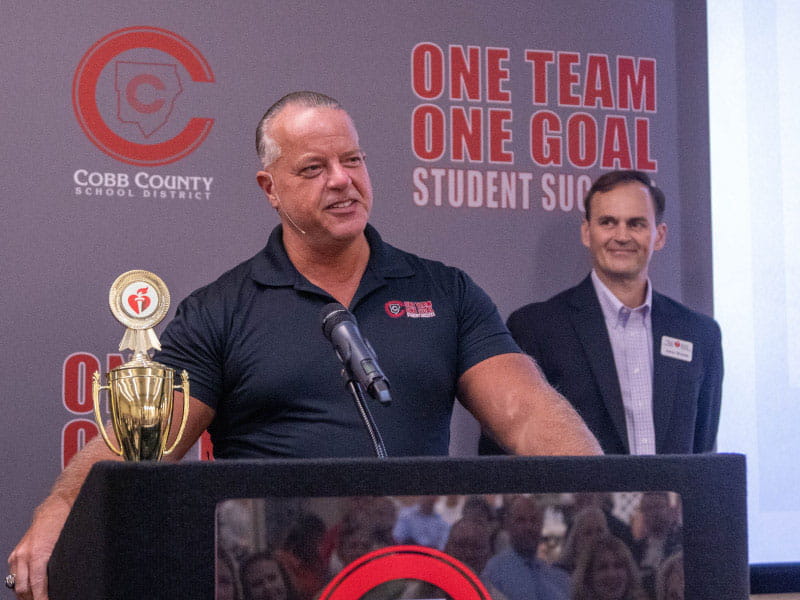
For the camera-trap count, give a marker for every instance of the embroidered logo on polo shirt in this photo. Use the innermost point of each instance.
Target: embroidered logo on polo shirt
(406, 308)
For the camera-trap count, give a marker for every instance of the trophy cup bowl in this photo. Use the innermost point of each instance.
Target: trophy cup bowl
(140, 398)
(140, 392)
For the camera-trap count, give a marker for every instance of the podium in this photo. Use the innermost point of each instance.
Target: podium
(147, 530)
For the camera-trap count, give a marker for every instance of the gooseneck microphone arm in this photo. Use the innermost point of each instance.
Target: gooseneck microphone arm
(366, 417)
(361, 370)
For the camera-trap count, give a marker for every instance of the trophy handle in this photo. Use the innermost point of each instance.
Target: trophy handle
(96, 387)
(184, 387)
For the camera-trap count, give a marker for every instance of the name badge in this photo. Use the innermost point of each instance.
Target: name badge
(675, 348)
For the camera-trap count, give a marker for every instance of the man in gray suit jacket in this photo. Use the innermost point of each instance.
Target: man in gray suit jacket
(644, 371)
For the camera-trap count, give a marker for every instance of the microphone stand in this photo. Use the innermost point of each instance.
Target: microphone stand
(357, 392)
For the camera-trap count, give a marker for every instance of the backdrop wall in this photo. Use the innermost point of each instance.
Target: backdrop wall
(128, 143)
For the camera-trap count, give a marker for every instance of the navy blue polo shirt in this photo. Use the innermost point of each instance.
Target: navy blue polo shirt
(253, 345)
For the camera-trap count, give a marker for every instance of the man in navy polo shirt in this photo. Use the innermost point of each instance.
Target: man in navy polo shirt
(265, 382)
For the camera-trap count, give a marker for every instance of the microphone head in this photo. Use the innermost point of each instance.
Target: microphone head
(332, 314)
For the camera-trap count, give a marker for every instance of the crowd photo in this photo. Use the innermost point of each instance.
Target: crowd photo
(581, 546)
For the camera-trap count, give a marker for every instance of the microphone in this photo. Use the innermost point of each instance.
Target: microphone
(340, 327)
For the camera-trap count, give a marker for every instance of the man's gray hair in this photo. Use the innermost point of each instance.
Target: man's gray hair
(268, 150)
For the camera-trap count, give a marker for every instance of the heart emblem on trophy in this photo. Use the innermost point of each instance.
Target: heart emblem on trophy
(139, 301)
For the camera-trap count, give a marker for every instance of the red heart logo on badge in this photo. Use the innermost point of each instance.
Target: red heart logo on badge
(139, 301)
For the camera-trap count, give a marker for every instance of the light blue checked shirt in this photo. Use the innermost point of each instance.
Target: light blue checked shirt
(631, 333)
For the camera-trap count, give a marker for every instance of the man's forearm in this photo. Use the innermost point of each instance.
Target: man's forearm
(69, 482)
(557, 430)
(515, 404)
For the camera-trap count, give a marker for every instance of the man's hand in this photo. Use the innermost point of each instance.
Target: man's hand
(28, 561)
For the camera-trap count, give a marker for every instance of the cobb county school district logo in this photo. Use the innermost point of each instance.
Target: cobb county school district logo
(398, 565)
(406, 308)
(126, 96)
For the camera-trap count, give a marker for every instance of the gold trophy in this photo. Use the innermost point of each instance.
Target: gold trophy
(140, 391)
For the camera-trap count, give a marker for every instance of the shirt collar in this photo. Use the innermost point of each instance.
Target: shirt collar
(272, 266)
(614, 311)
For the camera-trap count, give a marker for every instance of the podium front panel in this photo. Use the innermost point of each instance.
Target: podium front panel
(147, 530)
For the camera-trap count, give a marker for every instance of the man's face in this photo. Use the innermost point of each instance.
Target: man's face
(319, 181)
(525, 526)
(622, 234)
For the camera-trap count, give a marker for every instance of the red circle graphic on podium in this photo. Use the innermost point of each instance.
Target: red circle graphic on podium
(405, 562)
